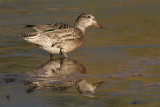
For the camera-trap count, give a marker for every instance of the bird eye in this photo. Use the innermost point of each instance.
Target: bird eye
(89, 17)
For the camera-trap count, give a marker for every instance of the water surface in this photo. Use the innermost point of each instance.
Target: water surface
(124, 60)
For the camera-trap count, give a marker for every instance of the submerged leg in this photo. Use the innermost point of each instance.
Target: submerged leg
(51, 56)
(62, 52)
(65, 55)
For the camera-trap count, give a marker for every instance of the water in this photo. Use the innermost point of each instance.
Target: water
(124, 60)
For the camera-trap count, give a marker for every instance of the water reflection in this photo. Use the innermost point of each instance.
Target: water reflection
(60, 74)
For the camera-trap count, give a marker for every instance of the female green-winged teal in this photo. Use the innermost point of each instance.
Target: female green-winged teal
(60, 74)
(59, 38)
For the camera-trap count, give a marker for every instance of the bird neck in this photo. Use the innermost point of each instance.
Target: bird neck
(80, 26)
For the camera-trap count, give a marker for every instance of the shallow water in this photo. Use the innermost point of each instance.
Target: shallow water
(124, 60)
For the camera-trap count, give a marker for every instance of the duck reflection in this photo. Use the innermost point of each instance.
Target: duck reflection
(60, 74)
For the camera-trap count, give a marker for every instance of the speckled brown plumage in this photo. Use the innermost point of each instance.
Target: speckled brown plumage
(59, 38)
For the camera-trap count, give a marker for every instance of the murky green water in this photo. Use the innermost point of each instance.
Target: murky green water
(123, 62)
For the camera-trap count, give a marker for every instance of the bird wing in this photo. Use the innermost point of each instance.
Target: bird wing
(61, 34)
(33, 30)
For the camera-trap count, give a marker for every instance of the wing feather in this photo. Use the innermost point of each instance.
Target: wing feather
(33, 30)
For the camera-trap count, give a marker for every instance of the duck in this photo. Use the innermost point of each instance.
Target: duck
(60, 38)
(60, 74)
